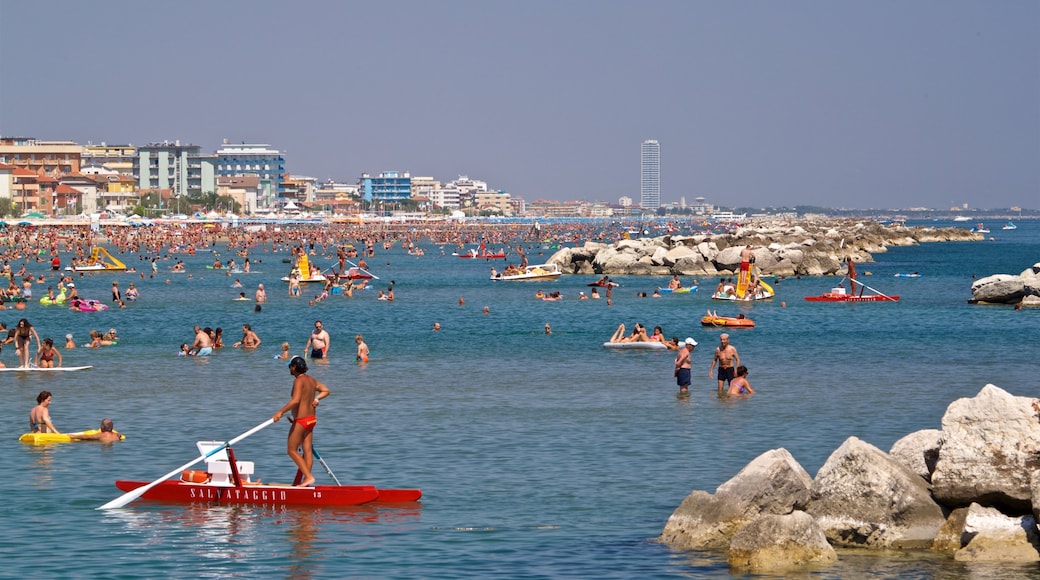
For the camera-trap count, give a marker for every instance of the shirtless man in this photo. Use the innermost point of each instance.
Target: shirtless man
(250, 340)
(318, 343)
(306, 392)
(683, 365)
(851, 275)
(40, 416)
(108, 434)
(203, 345)
(674, 283)
(727, 358)
(261, 294)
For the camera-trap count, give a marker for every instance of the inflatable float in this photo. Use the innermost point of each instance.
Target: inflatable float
(727, 321)
(59, 299)
(45, 438)
(80, 305)
(677, 290)
(653, 345)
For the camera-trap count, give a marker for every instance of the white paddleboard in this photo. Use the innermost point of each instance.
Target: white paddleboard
(41, 370)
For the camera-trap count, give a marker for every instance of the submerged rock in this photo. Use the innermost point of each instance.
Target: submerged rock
(778, 542)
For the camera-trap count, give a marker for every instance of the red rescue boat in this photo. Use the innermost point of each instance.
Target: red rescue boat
(227, 480)
(839, 295)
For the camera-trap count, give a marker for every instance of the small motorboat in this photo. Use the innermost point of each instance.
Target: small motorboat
(980, 229)
(539, 272)
(499, 255)
(227, 480)
(914, 275)
(727, 321)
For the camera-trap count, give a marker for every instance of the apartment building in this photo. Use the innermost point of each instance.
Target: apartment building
(53, 158)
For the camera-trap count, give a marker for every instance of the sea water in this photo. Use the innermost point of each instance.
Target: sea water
(539, 455)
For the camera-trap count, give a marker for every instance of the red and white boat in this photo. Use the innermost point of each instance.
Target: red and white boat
(499, 255)
(839, 295)
(227, 480)
(357, 273)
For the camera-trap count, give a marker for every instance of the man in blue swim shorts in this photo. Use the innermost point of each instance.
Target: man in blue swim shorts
(318, 343)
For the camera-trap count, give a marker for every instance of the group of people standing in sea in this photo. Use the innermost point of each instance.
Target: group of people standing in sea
(731, 376)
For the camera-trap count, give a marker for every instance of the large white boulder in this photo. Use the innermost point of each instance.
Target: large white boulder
(862, 497)
(772, 483)
(991, 446)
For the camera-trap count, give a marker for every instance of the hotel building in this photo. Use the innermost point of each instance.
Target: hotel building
(650, 174)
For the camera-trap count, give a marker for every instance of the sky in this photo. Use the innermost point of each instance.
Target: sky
(881, 104)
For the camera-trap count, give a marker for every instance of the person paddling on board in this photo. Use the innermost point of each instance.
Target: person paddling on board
(306, 393)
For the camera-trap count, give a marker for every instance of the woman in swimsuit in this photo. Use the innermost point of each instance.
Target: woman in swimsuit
(23, 335)
(40, 417)
(739, 386)
(46, 354)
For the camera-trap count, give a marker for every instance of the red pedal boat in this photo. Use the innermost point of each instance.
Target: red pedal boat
(839, 295)
(227, 480)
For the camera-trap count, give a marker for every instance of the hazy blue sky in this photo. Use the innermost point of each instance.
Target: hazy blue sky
(760, 103)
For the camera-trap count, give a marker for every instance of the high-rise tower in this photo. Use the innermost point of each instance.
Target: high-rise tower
(650, 174)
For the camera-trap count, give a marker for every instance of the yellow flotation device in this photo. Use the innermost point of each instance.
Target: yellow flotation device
(59, 299)
(44, 438)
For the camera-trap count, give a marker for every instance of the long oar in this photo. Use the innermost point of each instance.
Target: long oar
(879, 293)
(325, 465)
(328, 470)
(132, 495)
(362, 269)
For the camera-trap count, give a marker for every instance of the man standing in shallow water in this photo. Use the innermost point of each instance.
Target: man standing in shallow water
(318, 343)
(727, 358)
(306, 393)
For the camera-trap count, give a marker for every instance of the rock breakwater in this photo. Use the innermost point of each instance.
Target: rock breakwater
(1022, 289)
(806, 248)
(971, 490)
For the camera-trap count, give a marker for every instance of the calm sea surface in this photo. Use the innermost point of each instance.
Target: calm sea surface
(540, 456)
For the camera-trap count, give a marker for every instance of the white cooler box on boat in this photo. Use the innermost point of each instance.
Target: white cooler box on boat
(219, 466)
